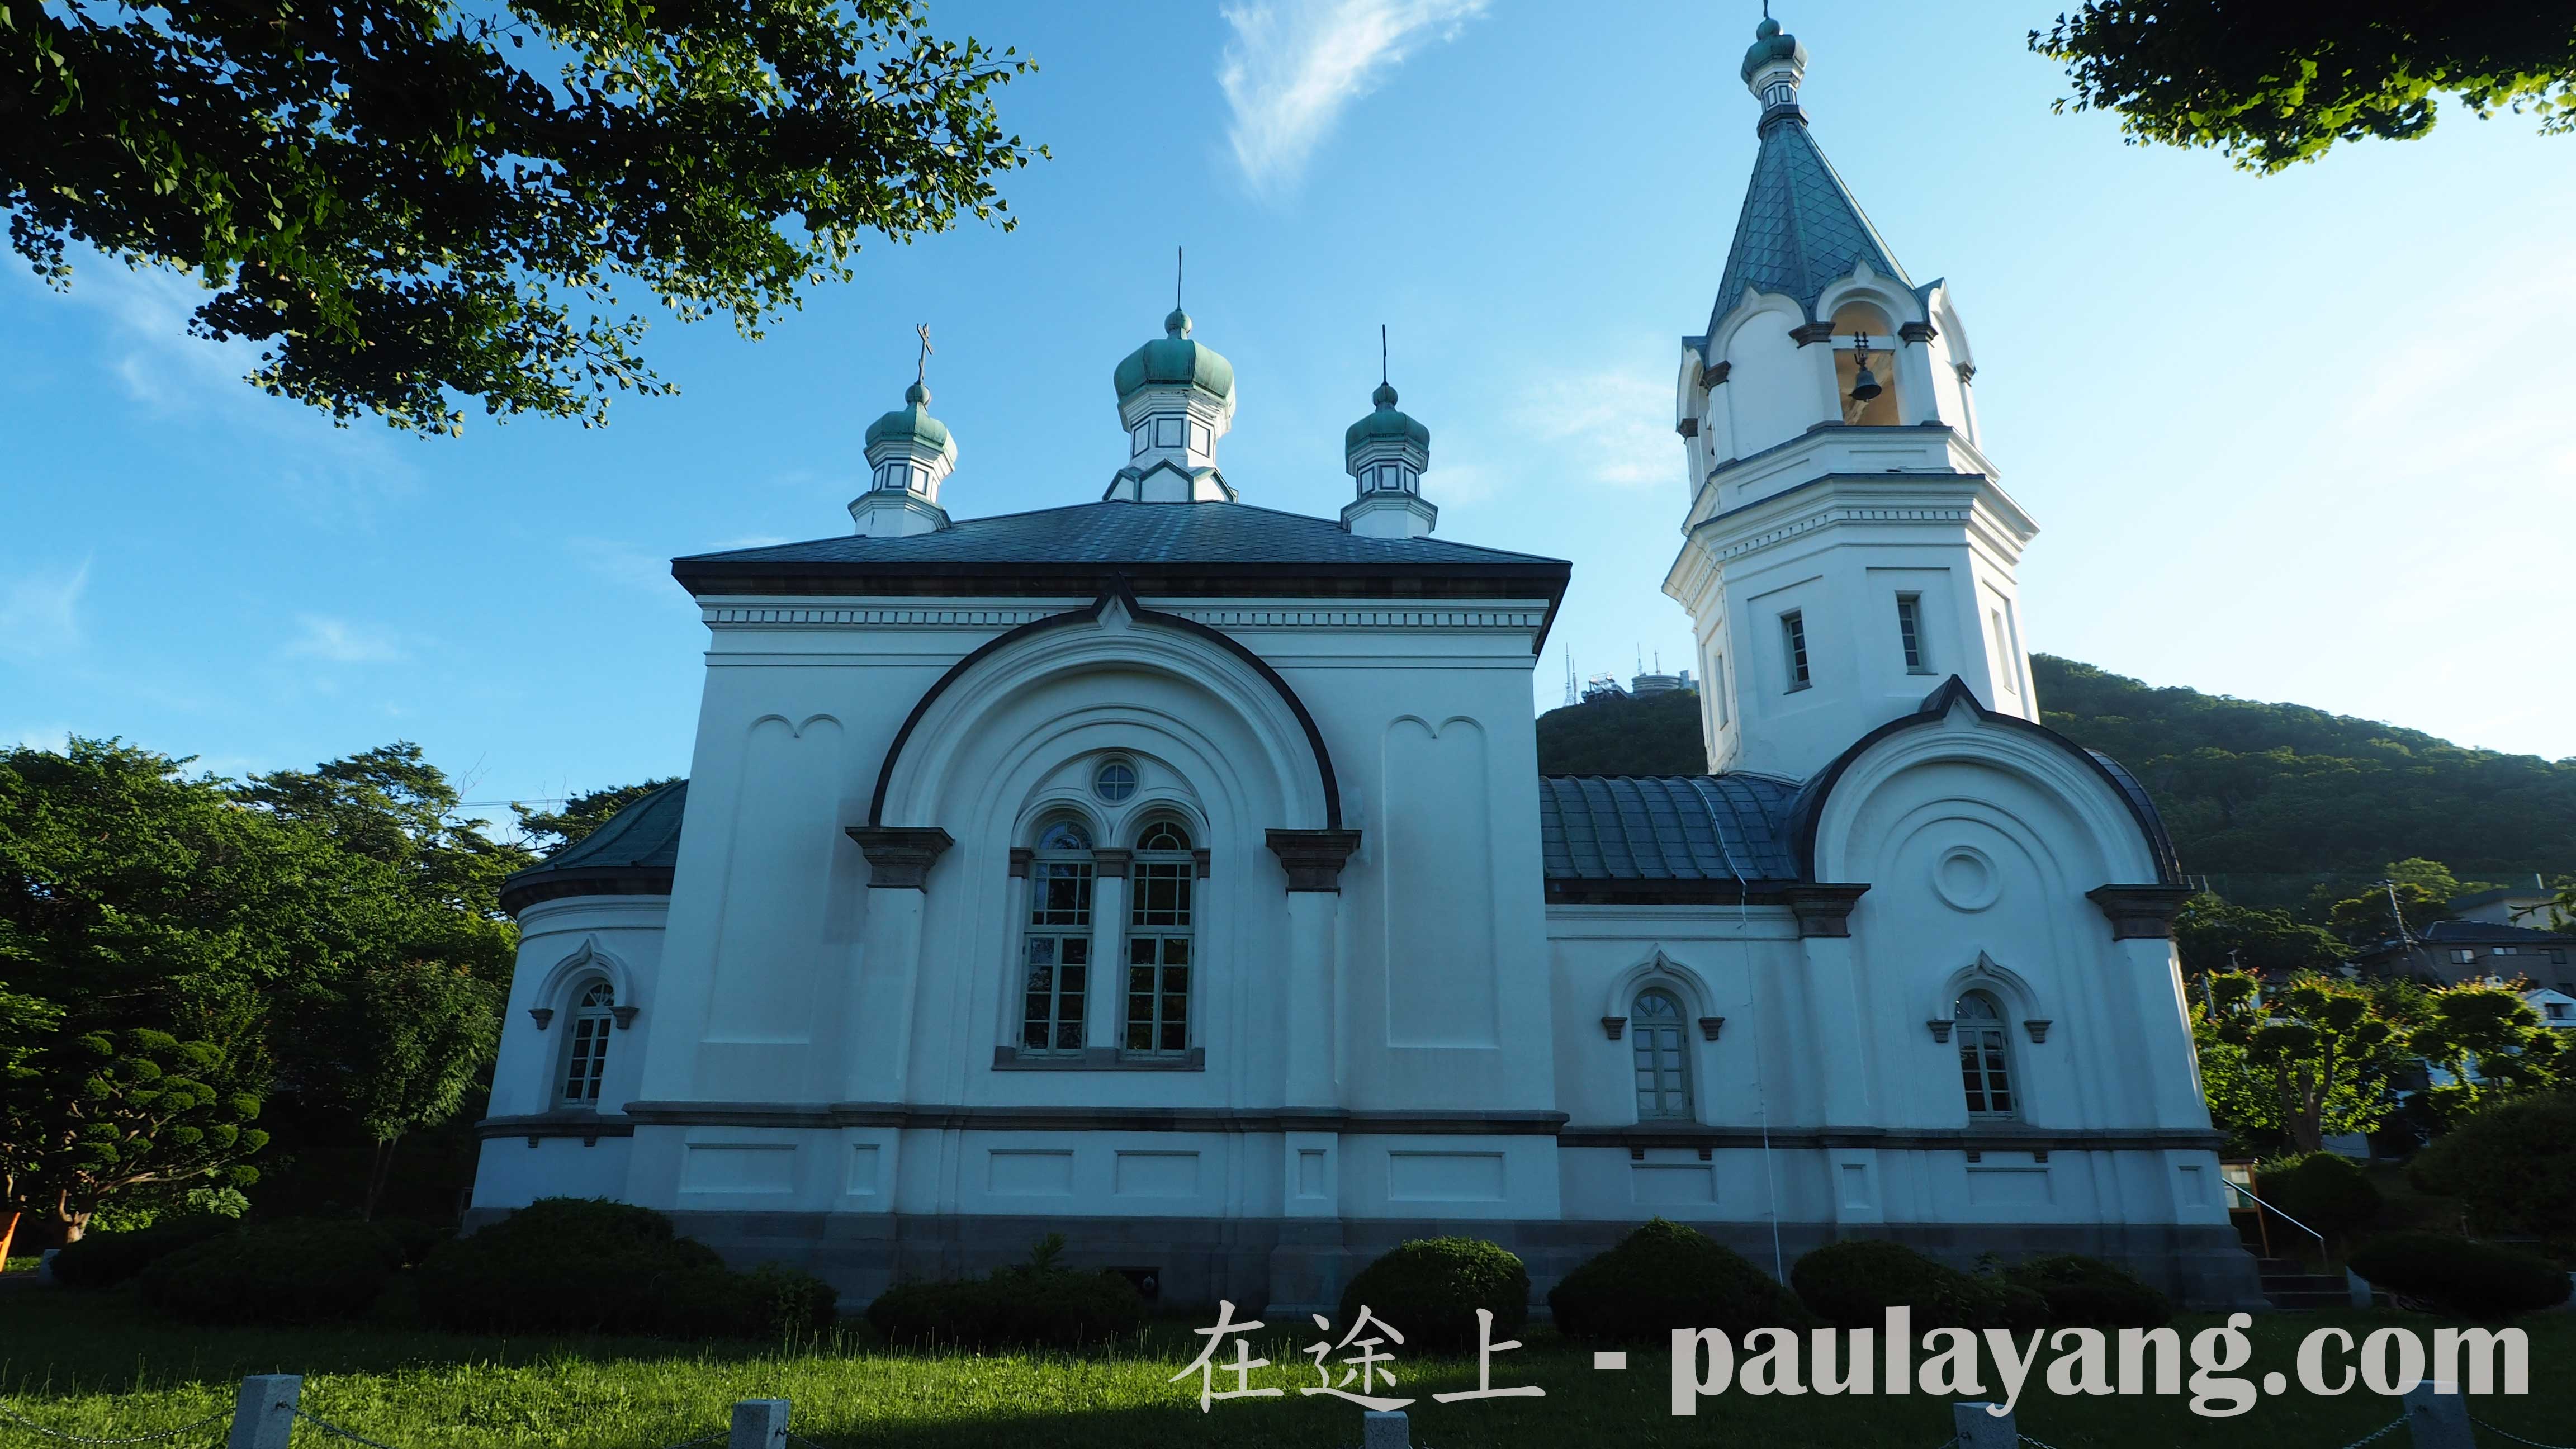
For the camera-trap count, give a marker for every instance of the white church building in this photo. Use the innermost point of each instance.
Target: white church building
(1176, 874)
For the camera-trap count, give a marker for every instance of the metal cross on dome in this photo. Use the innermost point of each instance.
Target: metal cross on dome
(921, 365)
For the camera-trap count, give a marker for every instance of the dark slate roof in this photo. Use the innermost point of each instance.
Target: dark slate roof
(1118, 532)
(1717, 828)
(2143, 806)
(1800, 229)
(633, 854)
(2463, 933)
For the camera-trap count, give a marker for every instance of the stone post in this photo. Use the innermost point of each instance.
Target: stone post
(1385, 1430)
(1978, 1429)
(264, 1414)
(759, 1424)
(2437, 1415)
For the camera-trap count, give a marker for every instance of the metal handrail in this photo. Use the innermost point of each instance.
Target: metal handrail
(2322, 1254)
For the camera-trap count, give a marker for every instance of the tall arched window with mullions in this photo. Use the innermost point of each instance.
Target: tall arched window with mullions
(586, 1044)
(1160, 922)
(1985, 1057)
(1057, 954)
(1663, 1064)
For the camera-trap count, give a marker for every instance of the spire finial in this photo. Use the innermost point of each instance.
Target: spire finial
(919, 393)
(1178, 256)
(1381, 354)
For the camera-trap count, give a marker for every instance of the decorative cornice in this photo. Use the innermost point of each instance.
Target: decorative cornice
(1812, 332)
(1313, 858)
(1824, 909)
(2140, 912)
(1292, 617)
(1110, 863)
(533, 886)
(1710, 1026)
(1918, 332)
(900, 856)
(1967, 371)
(1093, 1119)
(1021, 857)
(1687, 427)
(1713, 374)
(1612, 1026)
(825, 616)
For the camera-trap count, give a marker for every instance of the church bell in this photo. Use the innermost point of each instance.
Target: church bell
(1864, 382)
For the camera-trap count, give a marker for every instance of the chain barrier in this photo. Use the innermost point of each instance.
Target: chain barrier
(2382, 1432)
(2036, 1443)
(2517, 1438)
(31, 1425)
(327, 1427)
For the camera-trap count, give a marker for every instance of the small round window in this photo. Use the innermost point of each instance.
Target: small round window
(1114, 781)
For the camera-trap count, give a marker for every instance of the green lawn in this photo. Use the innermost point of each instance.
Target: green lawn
(102, 1365)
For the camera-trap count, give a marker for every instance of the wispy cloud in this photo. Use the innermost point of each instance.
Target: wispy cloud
(1616, 417)
(54, 737)
(341, 642)
(40, 612)
(1293, 66)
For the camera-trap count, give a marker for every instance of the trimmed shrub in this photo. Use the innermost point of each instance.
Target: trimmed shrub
(417, 1237)
(2460, 1277)
(103, 1260)
(2086, 1292)
(1667, 1275)
(2513, 1166)
(1014, 1308)
(1852, 1285)
(2324, 1190)
(586, 1265)
(295, 1270)
(1429, 1290)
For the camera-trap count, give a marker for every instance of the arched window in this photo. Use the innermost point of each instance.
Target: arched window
(586, 1045)
(1663, 1067)
(1058, 952)
(1162, 876)
(1985, 1060)
(1862, 332)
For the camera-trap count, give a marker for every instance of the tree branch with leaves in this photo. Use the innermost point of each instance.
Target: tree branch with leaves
(401, 201)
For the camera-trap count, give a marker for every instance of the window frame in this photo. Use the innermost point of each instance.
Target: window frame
(1987, 1069)
(1909, 633)
(583, 1063)
(1793, 643)
(1069, 928)
(1162, 881)
(1660, 1047)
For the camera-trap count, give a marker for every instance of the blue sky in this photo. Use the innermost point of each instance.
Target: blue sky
(2297, 437)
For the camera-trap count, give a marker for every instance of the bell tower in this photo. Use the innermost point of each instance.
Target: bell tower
(1846, 547)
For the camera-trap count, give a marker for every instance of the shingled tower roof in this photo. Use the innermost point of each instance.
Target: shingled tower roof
(1800, 230)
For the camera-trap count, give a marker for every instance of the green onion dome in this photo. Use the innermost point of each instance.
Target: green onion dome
(913, 423)
(1768, 45)
(1174, 358)
(1386, 422)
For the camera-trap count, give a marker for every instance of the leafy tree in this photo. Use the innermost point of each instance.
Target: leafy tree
(2212, 935)
(552, 830)
(2314, 1058)
(2493, 1045)
(403, 199)
(136, 1115)
(2272, 84)
(400, 1048)
(389, 804)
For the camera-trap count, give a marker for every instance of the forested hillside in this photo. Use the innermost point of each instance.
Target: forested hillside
(2269, 801)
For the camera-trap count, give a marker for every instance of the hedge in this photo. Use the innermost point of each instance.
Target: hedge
(2457, 1276)
(292, 1271)
(587, 1265)
(103, 1260)
(1429, 1290)
(1853, 1284)
(2086, 1292)
(1664, 1276)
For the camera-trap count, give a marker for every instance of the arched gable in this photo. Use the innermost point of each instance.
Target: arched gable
(1209, 657)
(2097, 787)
